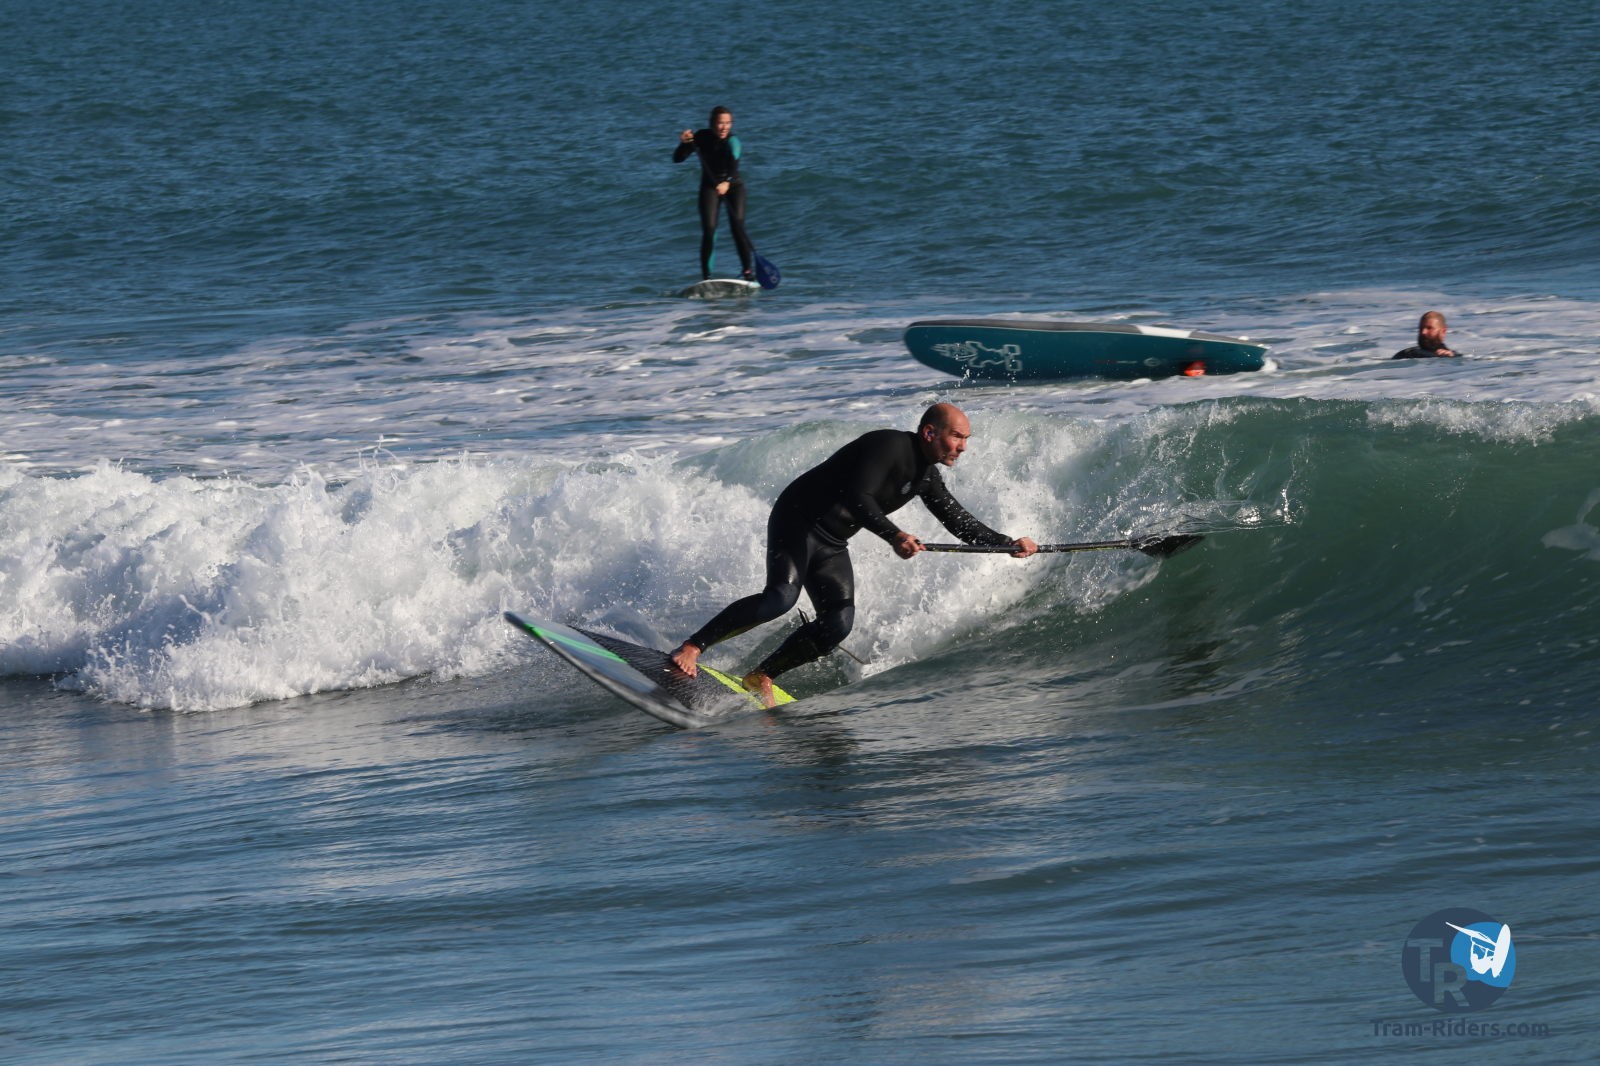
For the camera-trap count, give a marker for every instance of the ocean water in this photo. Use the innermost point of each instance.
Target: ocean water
(329, 331)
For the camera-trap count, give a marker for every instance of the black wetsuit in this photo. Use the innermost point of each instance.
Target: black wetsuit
(719, 162)
(1420, 352)
(856, 488)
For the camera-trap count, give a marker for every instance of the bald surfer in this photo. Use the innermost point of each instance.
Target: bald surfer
(719, 151)
(1430, 339)
(856, 488)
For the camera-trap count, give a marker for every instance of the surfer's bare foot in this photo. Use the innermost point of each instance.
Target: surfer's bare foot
(761, 685)
(686, 658)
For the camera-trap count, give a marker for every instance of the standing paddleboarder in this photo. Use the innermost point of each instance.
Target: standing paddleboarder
(856, 488)
(719, 152)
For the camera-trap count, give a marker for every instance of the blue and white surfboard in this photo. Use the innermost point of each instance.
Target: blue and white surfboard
(1021, 350)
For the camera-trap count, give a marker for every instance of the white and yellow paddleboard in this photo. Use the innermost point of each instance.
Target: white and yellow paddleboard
(644, 677)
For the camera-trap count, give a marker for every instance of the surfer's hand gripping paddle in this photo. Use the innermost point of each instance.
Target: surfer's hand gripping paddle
(1160, 547)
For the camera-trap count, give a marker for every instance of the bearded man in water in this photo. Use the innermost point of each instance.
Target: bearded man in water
(1430, 339)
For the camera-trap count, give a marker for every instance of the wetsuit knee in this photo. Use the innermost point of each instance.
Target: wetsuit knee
(745, 614)
(779, 600)
(810, 642)
(834, 626)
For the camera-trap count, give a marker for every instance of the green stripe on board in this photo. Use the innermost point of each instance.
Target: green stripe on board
(579, 645)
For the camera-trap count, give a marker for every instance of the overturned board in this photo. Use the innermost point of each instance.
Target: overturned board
(718, 288)
(1021, 349)
(644, 677)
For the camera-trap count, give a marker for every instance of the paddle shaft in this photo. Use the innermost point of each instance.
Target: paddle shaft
(1008, 549)
(1160, 547)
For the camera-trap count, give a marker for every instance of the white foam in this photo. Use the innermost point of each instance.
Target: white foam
(194, 595)
(200, 594)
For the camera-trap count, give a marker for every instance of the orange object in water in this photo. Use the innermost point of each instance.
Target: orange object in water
(1195, 369)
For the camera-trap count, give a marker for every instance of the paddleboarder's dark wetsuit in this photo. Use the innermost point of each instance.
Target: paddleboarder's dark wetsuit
(856, 488)
(719, 162)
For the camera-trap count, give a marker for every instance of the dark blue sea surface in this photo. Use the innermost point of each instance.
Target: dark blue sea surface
(329, 331)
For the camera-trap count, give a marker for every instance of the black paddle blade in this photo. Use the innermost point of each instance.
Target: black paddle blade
(1162, 547)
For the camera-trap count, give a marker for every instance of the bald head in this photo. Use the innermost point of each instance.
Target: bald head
(943, 432)
(940, 415)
